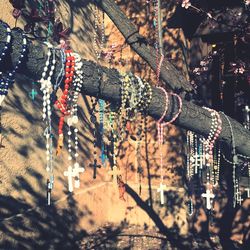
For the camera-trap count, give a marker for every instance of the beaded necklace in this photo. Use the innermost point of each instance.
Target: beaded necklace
(115, 171)
(98, 22)
(46, 87)
(61, 73)
(8, 40)
(160, 129)
(235, 163)
(62, 103)
(215, 130)
(6, 81)
(72, 122)
(2, 87)
(93, 120)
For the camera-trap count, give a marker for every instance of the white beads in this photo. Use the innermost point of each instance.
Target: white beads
(46, 87)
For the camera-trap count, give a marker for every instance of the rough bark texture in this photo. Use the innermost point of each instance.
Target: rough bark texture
(192, 117)
(169, 74)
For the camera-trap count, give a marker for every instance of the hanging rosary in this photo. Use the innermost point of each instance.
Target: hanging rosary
(7, 80)
(62, 103)
(74, 169)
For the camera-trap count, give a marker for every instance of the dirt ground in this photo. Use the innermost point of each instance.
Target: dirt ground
(130, 237)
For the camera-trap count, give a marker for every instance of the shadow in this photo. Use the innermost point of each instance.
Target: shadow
(34, 225)
(38, 226)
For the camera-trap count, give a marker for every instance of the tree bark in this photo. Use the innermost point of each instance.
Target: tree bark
(192, 116)
(169, 74)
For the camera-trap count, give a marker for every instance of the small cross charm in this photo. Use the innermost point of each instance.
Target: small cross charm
(70, 174)
(33, 94)
(49, 188)
(196, 161)
(161, 190)
(77, 170)
(238, 197)
(248, 192)
(114, 173)
(208, 195)
(95, 166)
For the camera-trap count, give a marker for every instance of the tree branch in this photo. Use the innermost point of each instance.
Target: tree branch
(169, 74)
(192, 116)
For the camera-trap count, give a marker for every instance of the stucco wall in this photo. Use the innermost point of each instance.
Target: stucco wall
(25, 219)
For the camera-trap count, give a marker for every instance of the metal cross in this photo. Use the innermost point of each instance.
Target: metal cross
(208, 195)
(77, 170)
(248, 192)
(238, 197)
(114, 173)
(161, 190)
(70, 174)
(95, 166)
(49, 189)
(33, 94)
(196, 161)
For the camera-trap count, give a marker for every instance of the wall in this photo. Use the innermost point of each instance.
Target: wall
(26, 221)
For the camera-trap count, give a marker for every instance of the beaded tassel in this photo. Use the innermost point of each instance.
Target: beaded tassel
(101, 130)
(93, 119)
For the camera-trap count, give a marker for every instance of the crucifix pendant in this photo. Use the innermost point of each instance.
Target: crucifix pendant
(95, 166)
(209, 196)
(238, 197)
(77, 170)
(161, 190)
(49, 189)
(70, 174)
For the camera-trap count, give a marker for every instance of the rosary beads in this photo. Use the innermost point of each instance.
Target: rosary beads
(72, 129)
(6, 81)
(160, 129)
(136, 96)
(46, 87)
(213, 135)
(93, 119)
(3, 92)
(62, 103)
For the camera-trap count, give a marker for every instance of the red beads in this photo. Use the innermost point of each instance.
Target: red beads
(62, 103)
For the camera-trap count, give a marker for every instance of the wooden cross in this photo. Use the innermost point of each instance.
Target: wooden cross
(114, 173)
(70, 174)
(95, 166)
(33, 94)
(161, 190)
(196, 161)
(77, 170)
(248, 192)
(208, 195)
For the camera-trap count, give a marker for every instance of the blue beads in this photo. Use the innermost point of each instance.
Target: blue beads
(7, 80)
(8, 40)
